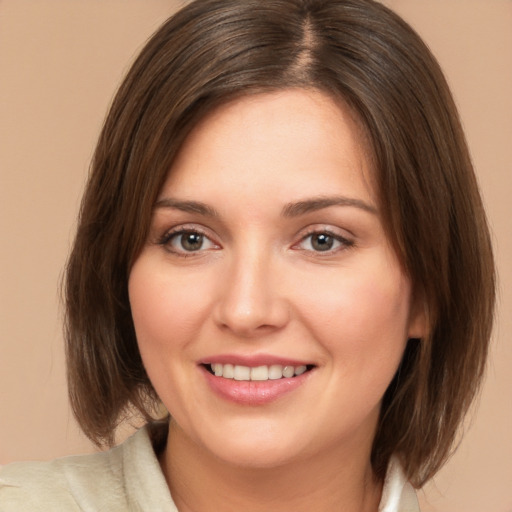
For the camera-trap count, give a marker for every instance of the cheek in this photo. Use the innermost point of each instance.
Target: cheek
(166, 309)
(167, 316)
(360, 315)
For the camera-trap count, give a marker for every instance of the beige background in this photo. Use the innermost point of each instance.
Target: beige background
(60, 62)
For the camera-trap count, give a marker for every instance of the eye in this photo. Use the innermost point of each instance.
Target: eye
(323, 241)
(187, 241)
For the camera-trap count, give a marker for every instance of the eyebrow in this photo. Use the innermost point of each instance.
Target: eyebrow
(187, 206)
(294, 209)
(318, 203)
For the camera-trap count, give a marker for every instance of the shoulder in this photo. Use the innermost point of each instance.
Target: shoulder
(66, 483)
(116, 480)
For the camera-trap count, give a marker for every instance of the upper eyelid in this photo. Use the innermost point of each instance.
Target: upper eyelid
(166, 224)
(188, 227)
(336, 236)
(346, 241)
(326, 228)
(165, 241)
(164, 236)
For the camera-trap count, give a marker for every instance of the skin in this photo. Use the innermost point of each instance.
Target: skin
(257, 284)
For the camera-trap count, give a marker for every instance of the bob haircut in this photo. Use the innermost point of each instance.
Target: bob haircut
(358, 52)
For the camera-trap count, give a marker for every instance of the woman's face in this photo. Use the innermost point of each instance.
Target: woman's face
(267, 258)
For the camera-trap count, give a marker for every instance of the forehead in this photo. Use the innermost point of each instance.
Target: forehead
(300, 137)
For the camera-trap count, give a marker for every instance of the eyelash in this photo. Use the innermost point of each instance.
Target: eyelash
(169, 236)
(345, 243)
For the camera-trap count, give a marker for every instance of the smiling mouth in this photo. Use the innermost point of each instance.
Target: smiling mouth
(256, 373)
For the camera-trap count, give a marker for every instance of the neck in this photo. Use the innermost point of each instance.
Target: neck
(200, 482)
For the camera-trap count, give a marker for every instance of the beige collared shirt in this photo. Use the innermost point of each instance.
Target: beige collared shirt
(126, 478)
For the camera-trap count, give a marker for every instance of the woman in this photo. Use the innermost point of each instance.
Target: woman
(283, 242)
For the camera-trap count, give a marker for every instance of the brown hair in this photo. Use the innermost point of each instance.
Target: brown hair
(215, 50)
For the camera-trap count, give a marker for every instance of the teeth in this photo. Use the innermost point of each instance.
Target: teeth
(228, 371)
(242, 373)
(275, 372)
(258, 373)
(288, 371)
(300, 370)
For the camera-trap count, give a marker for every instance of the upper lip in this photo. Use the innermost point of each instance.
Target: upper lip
(253, 360)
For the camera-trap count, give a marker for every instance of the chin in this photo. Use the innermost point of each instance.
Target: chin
(257, 448)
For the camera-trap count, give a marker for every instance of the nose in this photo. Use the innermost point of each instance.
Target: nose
(251, 300)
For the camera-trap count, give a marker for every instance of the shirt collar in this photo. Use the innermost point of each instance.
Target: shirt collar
(397, 494)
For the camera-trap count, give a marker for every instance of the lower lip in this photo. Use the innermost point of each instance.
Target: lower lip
(253, 392)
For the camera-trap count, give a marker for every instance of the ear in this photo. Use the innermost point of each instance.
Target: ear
(418, 326)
